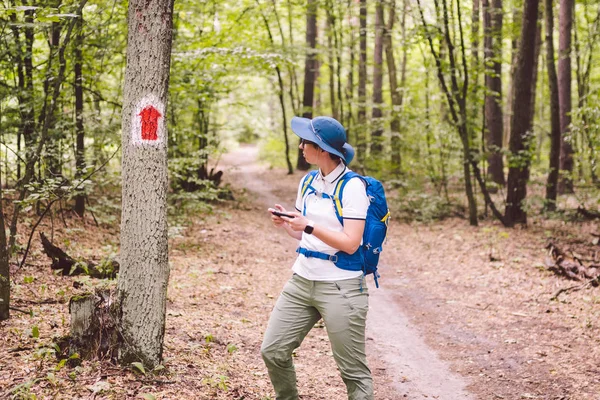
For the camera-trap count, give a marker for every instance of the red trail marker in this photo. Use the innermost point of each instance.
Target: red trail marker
(150, 116)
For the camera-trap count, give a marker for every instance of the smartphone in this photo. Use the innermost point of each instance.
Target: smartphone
(281, 214)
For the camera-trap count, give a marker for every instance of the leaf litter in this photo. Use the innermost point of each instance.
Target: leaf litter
(491, 318)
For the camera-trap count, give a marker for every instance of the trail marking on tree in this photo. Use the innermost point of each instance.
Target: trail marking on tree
(148, 122)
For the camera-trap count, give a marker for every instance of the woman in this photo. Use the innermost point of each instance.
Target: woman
(318, 288)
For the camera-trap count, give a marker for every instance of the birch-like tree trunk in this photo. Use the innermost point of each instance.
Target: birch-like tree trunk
(144, 275)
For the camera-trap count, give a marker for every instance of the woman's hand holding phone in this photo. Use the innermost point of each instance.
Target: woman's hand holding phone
(277, 213)
(292, 221)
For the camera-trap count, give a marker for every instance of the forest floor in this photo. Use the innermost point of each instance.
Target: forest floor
(462, 313)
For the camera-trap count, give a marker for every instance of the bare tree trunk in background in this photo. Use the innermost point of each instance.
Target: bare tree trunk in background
(53, 151)
(350, 125)
(494, 121)
(536, 61)
(338, 35)
(396, 93)
(144, 274)
(565, 22)
(331, 50)
(518, 174)
(79, 128)
(517, 16)
(361, 131)
(377, 114)
(552, 183)
(294, 90)
(309, 71)
(4, 266)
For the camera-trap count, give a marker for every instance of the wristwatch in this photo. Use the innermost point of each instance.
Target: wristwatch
(310, 227)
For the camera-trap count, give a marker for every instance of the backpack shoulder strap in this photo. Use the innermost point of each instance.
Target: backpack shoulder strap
(306, 184)
(307, 188)
(338, 193)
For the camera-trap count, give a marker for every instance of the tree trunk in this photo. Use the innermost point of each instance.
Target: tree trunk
(331, 50)
(53, 150)
(309, 72)
(396, 94)
(518, 174)
(494, 121)
(338, 36)
(361, 140)
(350, 126)
(294, 90)
(29, 112)
(144, 275)
(565, 22)
(79, 128)
(555, 139)
(4, 266)
(536, 61)
(517, 16)
(377, 115)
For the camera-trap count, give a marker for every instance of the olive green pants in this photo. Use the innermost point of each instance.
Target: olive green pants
(301, 304)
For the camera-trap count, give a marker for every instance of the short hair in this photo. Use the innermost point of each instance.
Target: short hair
(334, 157)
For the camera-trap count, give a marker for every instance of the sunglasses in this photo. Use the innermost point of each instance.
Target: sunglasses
(304, 142)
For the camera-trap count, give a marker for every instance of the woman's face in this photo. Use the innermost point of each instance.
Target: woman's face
(310, 151)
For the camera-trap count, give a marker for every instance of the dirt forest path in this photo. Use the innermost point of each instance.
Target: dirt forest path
(462, 313)
(404, 366)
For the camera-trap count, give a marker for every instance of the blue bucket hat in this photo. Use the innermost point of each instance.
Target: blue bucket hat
(325, 132)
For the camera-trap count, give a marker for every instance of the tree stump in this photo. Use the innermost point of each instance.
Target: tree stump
(93, 327)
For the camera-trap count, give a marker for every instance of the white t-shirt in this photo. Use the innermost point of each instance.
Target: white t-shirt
(321, 210)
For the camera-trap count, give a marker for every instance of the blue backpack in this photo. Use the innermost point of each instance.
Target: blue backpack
(366, 257)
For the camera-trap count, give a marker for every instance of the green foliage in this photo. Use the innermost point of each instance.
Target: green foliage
(139, 367)
(220, 382)
(231, 348)
(23, 390)
(190, 173)
(272, 151)
(422, 207)
(35, 332)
